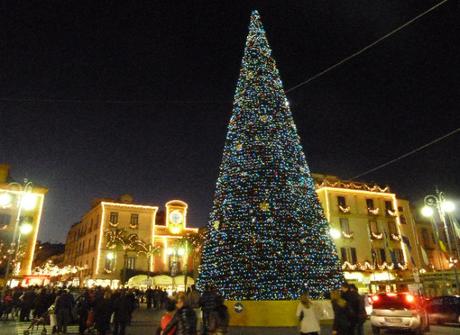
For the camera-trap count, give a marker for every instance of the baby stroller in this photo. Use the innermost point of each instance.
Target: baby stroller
(37, 323)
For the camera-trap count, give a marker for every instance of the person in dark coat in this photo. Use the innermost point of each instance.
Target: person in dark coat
(121, 313)
(27, 303)
(149, 297)
(358, 310)
(131, 304)
(208, 304)
(348, 296)
(63, 309)
(102, 313)
(341, 325)
(219, 318)
(83, 307)
(41, 303)
(184, 319)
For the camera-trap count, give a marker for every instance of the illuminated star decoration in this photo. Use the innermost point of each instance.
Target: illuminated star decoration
(273, 240)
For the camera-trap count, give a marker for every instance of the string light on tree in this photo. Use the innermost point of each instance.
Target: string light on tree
(273, 240)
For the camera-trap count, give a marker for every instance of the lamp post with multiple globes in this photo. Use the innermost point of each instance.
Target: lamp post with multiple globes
(438, 202)
(24, 200)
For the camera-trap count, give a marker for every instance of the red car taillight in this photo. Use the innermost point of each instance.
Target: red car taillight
(410, 298)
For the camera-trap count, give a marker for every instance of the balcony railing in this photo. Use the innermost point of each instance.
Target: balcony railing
(376, 236)
(395, 237)
(347, 234)
(366, 266)
(373, 211)
(390, 212)
(345, 210)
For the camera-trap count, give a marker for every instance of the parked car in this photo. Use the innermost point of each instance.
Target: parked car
(444, 309)
(399, 311)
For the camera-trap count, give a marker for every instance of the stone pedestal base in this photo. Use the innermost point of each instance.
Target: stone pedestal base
(271, 313)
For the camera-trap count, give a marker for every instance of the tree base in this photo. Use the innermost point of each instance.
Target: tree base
(271, 313)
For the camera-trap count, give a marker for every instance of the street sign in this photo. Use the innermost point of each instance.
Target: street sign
(238, 307)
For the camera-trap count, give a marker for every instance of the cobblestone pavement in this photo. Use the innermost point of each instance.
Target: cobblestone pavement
(145, 322)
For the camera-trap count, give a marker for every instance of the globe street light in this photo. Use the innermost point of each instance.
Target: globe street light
(25, 200)
(335, 234)
(25, 228)
(448, 206)
(427, 212)
(442, 206)
(110, 256)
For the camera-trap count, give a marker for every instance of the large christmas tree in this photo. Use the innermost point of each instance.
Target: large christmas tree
(268, 238)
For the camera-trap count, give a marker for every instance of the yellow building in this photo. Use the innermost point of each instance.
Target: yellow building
(89, 244)
(21, 206)
(372, 229)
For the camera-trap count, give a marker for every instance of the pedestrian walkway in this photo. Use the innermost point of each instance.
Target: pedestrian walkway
(145, 322)
(21, 328)
(148, 320)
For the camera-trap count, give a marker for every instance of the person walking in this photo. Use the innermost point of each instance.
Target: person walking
(193, 300)
(41, 303)
(341, 325)
(63, 309)
(219, 318)
(102, 313)
(82, 309)
(308, 316)
(121, 313)
(184, 320)
(149, 297)
(357, 304)
(208, 304)
(27, 303)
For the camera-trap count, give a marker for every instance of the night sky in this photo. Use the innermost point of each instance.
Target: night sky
(103, 98)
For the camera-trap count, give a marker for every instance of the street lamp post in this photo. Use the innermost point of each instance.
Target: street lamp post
(24, 200)
(24, 229)
(439, 202)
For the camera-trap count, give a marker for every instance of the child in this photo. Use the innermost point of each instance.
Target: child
(167, 317)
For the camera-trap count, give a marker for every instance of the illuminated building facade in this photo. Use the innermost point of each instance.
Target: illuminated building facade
(24, 206)
(88, 243)
(374, 232)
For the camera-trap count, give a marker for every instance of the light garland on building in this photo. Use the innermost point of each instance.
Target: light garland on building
(377, 236)
(347, 235)
(402, 266)
(391, 212)
(386, 266)
(345, 210)
(395, 237)
(366, 266)
(49, 269)
(373, 211)
(353, 186)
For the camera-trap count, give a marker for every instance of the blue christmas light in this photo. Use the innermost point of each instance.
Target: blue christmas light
(268, 238)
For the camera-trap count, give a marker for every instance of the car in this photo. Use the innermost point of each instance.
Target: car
(400, 311)
(444, 310)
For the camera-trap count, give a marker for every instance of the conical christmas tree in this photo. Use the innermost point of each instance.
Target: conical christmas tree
(267, 237)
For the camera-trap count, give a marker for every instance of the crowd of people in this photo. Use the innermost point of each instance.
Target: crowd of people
(102, 310)
(94, 310)
(190, 313)
(349, 313)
